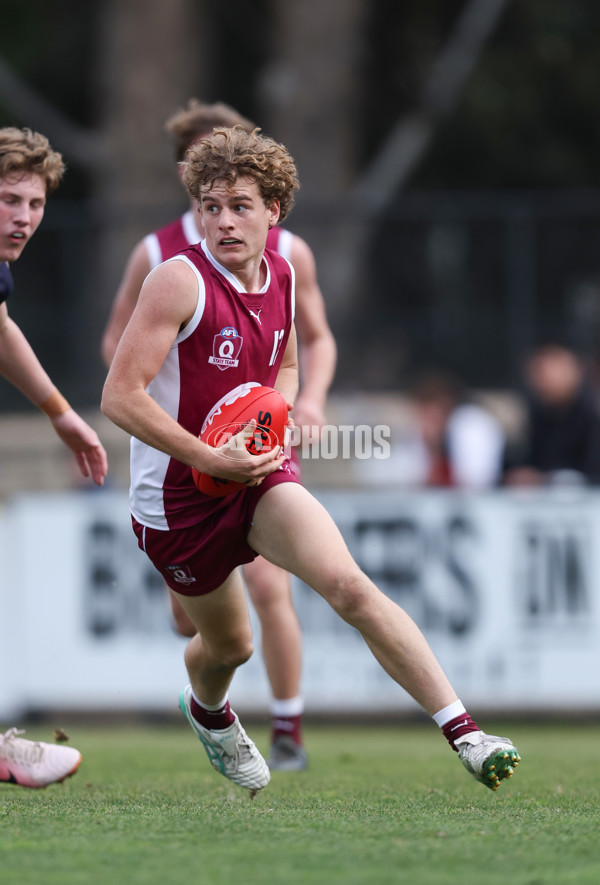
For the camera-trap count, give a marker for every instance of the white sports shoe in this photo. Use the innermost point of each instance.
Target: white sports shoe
(489, 758)
(35, 764)
(230, 750)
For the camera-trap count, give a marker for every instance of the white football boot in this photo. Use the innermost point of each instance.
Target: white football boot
(489, 758)
(230, 750)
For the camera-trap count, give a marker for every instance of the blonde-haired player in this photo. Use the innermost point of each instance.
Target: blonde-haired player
(29, 171)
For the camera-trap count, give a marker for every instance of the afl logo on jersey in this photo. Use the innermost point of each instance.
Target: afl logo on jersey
(229, 332)
(226, 348)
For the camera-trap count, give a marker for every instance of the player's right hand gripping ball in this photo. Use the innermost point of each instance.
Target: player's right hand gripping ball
(229, 416)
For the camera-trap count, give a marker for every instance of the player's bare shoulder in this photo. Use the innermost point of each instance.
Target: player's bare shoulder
(139, 261)
(303, 260)
(171, 289)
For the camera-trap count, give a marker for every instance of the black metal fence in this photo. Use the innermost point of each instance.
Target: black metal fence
(472, 280)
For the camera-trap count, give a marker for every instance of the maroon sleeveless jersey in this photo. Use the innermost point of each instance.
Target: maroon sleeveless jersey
(234, 337)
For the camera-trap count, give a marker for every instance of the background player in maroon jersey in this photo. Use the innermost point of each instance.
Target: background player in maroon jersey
(157, 390)
(268, 586)
(29, 170)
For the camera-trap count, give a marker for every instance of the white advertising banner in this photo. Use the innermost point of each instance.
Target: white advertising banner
(506, 587)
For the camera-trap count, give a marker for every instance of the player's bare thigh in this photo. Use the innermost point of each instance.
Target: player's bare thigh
(266, 583)
(221, 616)
(293, 530)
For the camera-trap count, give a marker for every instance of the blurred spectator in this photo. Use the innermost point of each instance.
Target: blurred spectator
(450, 441)
(562, 442)
(457, 442)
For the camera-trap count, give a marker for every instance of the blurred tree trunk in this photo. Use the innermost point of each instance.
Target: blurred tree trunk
(311, 93)
(148, 66)
(311, 89)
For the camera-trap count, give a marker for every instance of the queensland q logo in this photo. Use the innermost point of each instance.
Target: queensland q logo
(226, 348)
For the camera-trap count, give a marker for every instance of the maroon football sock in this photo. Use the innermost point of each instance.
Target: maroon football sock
(213, 719)
(291, 726)
(457, 727)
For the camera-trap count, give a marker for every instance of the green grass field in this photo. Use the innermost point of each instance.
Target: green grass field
(381, 805)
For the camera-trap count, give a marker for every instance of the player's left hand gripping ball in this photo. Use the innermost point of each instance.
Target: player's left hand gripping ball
(229, 416)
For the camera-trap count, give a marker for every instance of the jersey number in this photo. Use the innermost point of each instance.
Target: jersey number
(277, 339)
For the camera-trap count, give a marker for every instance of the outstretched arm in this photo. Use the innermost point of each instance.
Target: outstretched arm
(20, 366)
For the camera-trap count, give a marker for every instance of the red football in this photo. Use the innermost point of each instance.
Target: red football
(230, 415)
